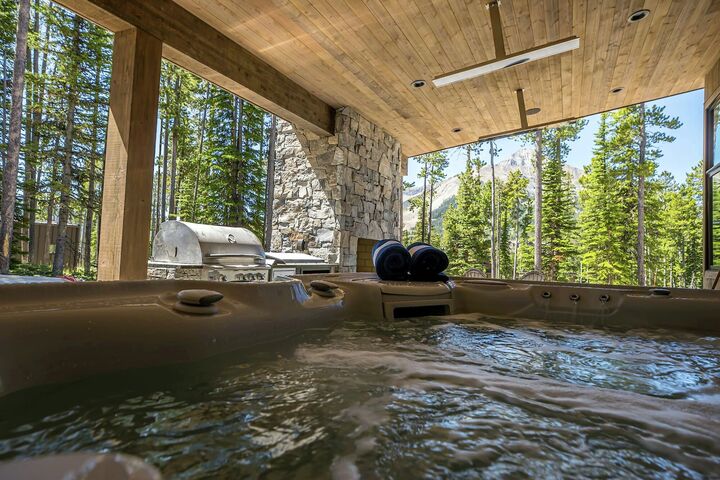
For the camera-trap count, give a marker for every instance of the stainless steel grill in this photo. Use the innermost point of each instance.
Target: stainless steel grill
(229, 254)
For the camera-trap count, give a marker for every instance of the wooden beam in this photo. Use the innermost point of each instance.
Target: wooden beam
(712, 84)
(198, 47)
(496, 25)
(132, 124)
(521, 107)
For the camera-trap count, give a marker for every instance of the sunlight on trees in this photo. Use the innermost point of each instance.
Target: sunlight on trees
(212, 155)
(628, 223)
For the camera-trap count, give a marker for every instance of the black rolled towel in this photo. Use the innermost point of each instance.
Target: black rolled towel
(391, 260)
(427, 262)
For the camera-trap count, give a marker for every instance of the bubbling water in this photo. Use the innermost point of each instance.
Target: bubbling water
(460, 396)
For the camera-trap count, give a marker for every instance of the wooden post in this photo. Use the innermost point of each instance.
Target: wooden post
(496, 25)
(127, 192)
(521, 108)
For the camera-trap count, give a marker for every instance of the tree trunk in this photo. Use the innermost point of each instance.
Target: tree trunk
(493, 215)
(10, 172)
(641, 200)
(3, 133)
(516, 248)
(538, 200)
(172, 210)
(232, 218)
(59, 258)
(158, 182)
(235, 167)
(87, 251)
(243, 147)
(35, 141)
(100, 196)
(90, 207)
(430, 207)
(498, 228)
(200, 152)
(175, 140)
(156, 210)
(29, 157)
(31, 133)
(424, 213)
(270, 184)
(163, 200)
(51, 197)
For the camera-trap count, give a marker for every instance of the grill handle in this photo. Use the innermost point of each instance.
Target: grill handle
(258, 259)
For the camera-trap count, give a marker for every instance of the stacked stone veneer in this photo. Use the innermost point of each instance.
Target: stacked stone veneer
(330, 191)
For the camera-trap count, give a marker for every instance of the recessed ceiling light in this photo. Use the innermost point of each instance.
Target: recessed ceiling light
(532, 111)
(639, 15)
(457, 130)
(617, 90)
(418, 83)
(556, 48)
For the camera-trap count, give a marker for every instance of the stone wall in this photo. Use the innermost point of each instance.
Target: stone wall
(330, 191)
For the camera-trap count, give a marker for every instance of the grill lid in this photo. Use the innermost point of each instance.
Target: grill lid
(195, 244)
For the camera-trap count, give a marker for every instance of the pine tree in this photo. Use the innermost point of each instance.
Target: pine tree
(538, 136)
(559, 247)
(604, 256)
(638, 132)
(270, 183)
(466, 226)
(515, 220)
(8, 27)
(71, 70)
(10, 168)
(438, 162)
(432, 173)
(494, 227)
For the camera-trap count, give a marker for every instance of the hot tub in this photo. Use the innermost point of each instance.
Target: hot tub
(345, 376)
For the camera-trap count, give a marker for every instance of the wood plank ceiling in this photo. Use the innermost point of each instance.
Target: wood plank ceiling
(366, 53)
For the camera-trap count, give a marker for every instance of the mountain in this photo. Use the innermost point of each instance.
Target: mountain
(523, 160)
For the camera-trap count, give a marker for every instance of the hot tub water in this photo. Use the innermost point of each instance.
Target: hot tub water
(420, 398)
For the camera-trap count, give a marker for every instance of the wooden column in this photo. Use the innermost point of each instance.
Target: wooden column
(127, 191)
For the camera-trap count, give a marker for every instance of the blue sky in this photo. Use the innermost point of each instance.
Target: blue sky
(678, 157)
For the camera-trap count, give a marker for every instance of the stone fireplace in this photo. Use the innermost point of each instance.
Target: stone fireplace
(332, 191)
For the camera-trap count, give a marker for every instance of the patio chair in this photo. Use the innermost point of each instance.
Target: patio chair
(475, 273)
(533, 276)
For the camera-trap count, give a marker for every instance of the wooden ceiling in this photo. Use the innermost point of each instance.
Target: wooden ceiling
(365, 54)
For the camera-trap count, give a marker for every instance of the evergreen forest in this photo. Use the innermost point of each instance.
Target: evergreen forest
(628, 223)
(213, 147)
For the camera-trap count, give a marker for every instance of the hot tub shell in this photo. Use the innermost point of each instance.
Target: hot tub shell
(54, 333)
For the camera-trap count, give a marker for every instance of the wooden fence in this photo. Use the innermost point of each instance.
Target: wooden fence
(43, 250)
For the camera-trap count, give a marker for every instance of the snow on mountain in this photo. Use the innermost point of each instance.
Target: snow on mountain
(523, 160)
